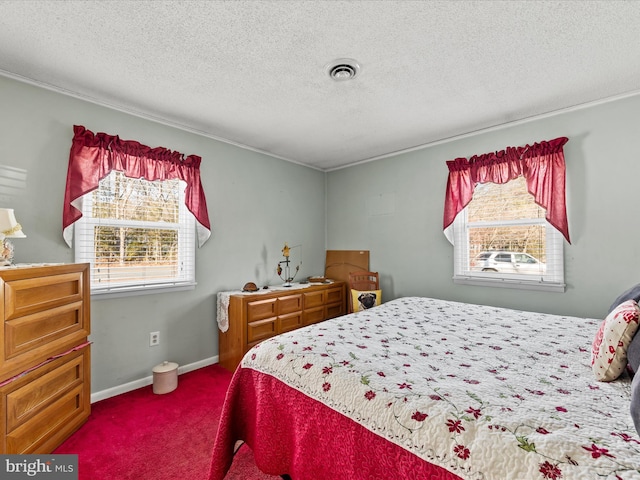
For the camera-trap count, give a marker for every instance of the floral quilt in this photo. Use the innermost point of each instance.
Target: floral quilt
(485, 392)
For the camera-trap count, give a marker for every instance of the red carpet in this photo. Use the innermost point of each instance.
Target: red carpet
(142, 436)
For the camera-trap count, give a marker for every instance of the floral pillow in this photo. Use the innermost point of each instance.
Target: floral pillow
(609, 348)
(365, 299)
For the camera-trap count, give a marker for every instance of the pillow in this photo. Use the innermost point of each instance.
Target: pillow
(633, 354)
(632, 294)
(365, 299)
(609, 348)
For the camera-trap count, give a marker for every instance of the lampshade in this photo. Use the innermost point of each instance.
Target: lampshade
(9, 227)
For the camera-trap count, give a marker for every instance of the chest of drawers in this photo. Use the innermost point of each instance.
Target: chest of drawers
(45, 368)
(256, 317)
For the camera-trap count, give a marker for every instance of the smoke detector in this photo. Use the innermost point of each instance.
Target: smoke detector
(343, 69)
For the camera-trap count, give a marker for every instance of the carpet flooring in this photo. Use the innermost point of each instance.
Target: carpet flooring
(143, 436)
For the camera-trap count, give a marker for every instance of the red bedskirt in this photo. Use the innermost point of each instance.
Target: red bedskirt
(293, 434)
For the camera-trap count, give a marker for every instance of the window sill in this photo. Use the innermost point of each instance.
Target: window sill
(510, 283)
(117, 292)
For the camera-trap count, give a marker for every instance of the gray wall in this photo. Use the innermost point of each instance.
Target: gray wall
(255, 202)
(394, 206)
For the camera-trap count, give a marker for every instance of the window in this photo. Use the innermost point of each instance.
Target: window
(137, 235)
(503, 239)
(132, 209)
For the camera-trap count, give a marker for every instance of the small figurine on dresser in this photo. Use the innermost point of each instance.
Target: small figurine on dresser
(6, 257)
(9, 228)
(288, 278)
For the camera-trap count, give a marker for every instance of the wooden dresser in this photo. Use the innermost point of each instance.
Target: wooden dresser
(256, 317)
(43, 348)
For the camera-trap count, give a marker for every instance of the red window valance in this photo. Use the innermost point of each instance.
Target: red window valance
(94, 156)
(542, 165)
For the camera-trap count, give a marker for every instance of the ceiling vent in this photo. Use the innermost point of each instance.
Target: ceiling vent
(343, 69)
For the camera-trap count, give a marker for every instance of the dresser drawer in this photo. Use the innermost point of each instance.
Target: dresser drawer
(26, 402)
(335, 310)
(314, 299)
(335, 295)
(260, 330)
(289, 322)
(46, 405)
(289, 304)
(259, 309)
(313, 315)
(29, 437)
(40, 329)
(23, 297)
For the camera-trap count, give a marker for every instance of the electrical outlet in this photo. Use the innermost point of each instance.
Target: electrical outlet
(154, 339)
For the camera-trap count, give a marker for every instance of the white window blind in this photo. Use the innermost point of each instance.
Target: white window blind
(503, 239)
(137, 235)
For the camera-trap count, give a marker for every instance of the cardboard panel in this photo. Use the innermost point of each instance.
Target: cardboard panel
(339, 263)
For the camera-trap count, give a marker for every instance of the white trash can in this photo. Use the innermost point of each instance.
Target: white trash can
(165, 377)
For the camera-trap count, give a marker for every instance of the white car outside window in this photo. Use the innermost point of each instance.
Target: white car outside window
(509, 262)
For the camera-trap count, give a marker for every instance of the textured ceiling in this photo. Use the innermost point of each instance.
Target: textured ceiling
(252, 73)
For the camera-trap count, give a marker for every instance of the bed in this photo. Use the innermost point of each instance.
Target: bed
(430, 389)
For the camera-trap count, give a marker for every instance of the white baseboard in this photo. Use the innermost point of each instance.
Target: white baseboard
(143, 382)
